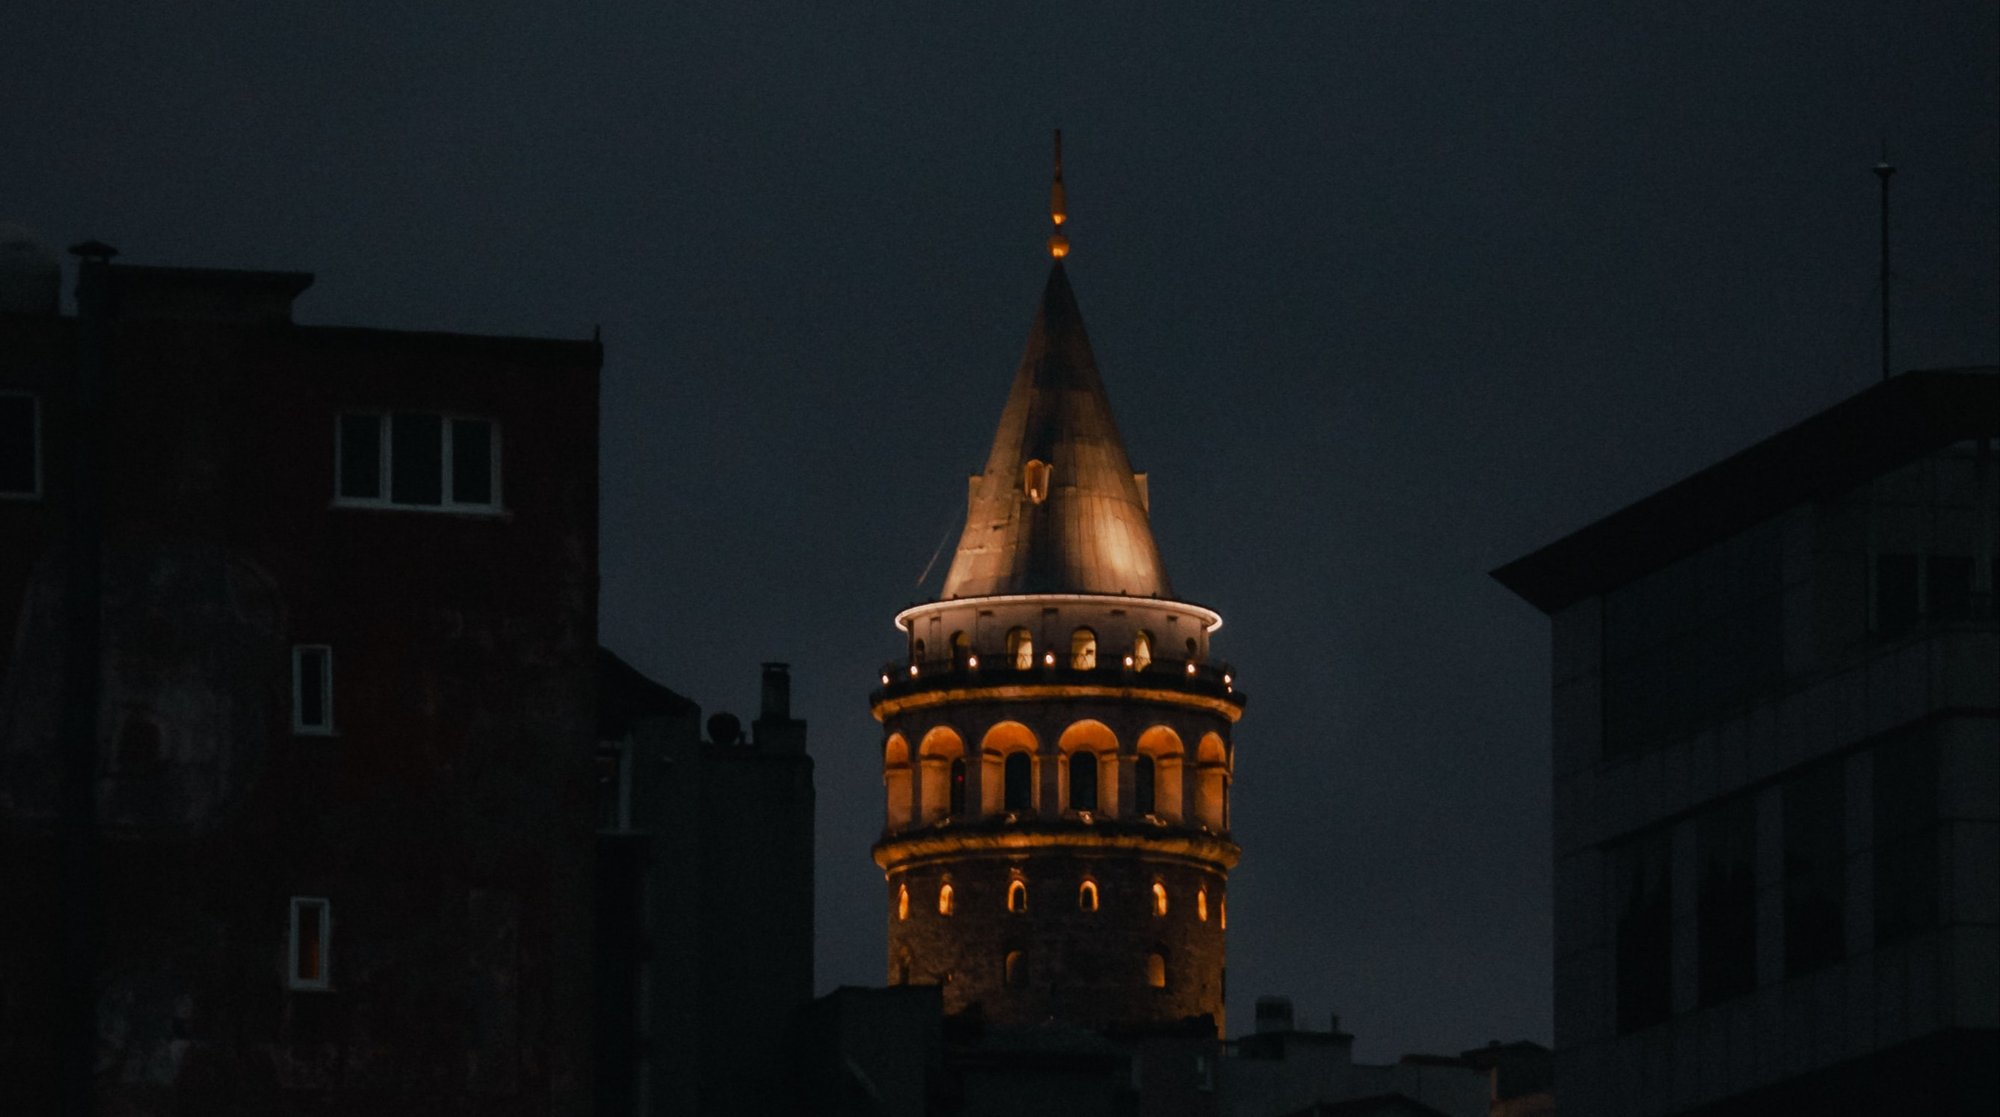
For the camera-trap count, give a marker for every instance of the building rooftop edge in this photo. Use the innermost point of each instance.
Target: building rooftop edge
(1888, 425)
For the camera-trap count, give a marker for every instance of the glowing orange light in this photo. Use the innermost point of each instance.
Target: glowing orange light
(913, 670)
(1128, 661)
(972, 661)
(1190, 669)
(1049, 659)
(1058, 245)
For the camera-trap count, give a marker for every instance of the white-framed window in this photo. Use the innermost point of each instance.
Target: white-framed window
(409, 459)
(312, 689)
(308, 953)
(20, 446)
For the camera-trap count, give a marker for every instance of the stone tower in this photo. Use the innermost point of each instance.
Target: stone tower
(1056, 745)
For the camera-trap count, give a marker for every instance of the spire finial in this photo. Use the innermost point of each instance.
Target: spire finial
(1058, 211)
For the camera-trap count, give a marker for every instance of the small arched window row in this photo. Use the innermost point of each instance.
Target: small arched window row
(1017, 896)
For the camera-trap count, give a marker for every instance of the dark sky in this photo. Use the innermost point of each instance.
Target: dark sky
(1385, 294)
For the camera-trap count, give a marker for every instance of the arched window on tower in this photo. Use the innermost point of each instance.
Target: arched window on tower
(1193, 650)
(961, 649)
(958, 787)
(1086, 896)
(1159, 898)
(1020, 648)
(1082, 781)
(902, 901)
(1144, 789)
(1015, 969)
(916, 652)
(1019, 777)
(1083, 650)
(946, 903)
(1156, 970)
(1017, 896)
(1142, 649)
(1201, 905)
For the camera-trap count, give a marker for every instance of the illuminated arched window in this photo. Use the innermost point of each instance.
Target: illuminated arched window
(1019, 776)
(1156, 970)
(1083, 649)
(1086, 896)
(1082, 781)
(1142, 649)
(1201, 905)
(1144, 791)
(1035, 475)
(1159, 898)
(957, 791)
(1016, 969)
(961, 649)
(903, 901)
(1222, 912)
(945, 902)
(1017, 897)
(1020, 648)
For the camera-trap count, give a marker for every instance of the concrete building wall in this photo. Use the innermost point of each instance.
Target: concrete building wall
(1791, 696)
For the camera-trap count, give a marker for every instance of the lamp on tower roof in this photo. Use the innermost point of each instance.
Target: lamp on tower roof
(1058, 244)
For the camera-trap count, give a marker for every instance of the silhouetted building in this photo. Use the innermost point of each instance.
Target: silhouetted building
(1281, 1069)
(705, 899)
(1057, 742)
(296, 717)
(1777, 772)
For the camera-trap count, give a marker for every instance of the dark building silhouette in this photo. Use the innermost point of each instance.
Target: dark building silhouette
(705, 899)
(1777, 772)
(1057, 744)
(296, 706)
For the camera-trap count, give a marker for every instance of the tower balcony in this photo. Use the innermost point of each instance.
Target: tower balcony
(1010, 833)
(911, 684)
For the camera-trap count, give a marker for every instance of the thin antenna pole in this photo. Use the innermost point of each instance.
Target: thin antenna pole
(1882, 171)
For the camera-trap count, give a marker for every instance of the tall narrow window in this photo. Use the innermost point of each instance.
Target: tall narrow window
(1017, 896)
(1083, 650)
(1019, 778)
(961, 649)
(1020, 649)
(1815, 809)
(417, 460)
(1083, 781)
(1643, 901)
(20, 445)
(312, 689)
(1159, 898)
(902, 901)
(1201, 904)
(1086, 896)
(957, 777)
(1156, 970)
(307, 955)
(1726, 901)
(1144, 791)
(946, 899)
(1142, 649)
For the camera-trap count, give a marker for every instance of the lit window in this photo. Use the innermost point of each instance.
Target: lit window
(1017, 897)
(1156, 970)
(1222, 913)
(1201, 905)
(945, 902)
(1083, 649)
(1016, 969)
(20, 445)
(312, 689)
(1159, 898)
(306, 956)
(903, 901)
(1035, 480)
(1142, 649)
(416, 460)
(1020, 649)
(1086, 896)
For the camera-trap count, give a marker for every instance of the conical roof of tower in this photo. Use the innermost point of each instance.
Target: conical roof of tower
(1081, 528)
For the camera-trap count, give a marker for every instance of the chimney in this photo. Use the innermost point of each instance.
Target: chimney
(777, 693)
(1274, 1014)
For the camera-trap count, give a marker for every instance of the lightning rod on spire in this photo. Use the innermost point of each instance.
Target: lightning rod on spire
(1058, 207)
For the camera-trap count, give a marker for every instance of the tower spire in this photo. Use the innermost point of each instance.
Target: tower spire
(1058, 208)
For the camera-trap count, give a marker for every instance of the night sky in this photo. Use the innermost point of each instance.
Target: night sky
(1385, 294)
